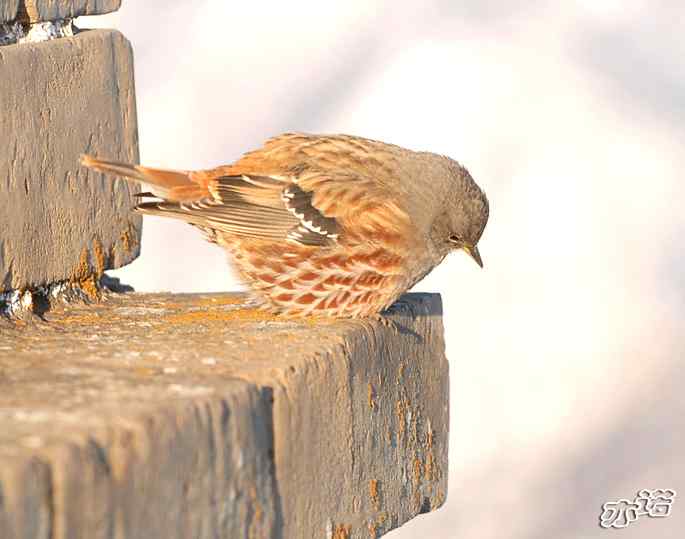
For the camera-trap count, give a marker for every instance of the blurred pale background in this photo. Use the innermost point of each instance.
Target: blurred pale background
(567, 380)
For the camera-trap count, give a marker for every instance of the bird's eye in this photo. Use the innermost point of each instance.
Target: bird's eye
(455, 239)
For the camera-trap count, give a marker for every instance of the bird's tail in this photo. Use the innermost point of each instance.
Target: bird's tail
(174, 185)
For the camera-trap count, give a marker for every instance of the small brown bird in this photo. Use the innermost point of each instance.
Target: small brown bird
(330, 225)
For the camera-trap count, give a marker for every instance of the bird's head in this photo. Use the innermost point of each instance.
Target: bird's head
(462, 216)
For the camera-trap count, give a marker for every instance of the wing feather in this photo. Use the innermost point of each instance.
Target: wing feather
(258, 207)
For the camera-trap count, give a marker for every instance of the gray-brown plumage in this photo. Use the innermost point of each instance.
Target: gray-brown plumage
(325, 224)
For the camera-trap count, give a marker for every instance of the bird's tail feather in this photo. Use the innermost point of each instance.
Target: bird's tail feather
(167, 184)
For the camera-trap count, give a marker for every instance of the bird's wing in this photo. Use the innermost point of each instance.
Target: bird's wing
(240, 205)
(262, 207)
(300, 188)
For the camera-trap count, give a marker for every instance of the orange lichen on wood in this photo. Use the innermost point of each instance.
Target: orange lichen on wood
(91, 287)
(129, 239)
(418, 469)
(428, 468)
(245, 315)
(400, 412)
(99, 256)
(374, 493)
(86, 276)
(221, 300)
(82, 269)
(340, 531)
(145, 371)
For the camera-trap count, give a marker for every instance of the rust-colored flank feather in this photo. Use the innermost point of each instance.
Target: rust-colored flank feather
(315, 225)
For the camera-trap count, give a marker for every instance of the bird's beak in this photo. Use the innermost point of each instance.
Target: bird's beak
(473, 251)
